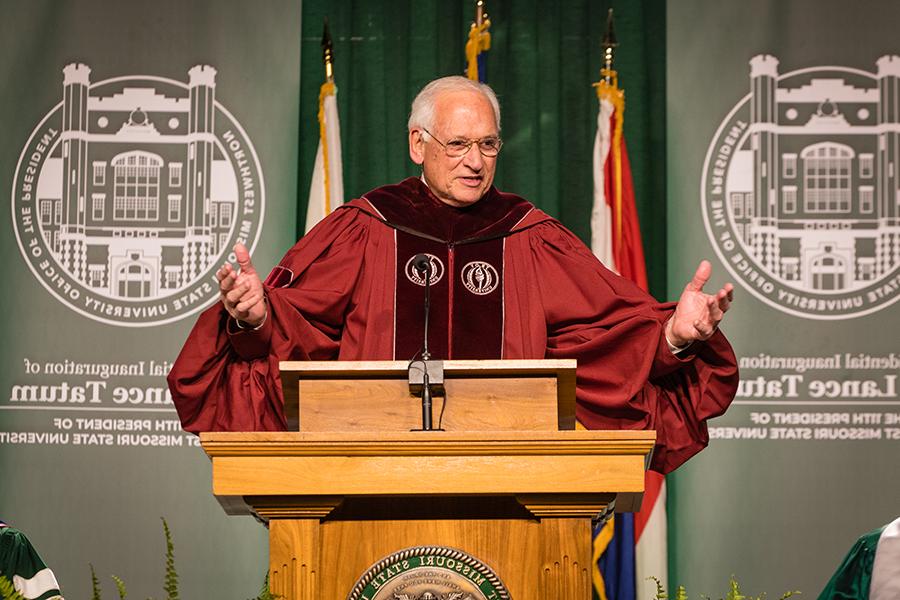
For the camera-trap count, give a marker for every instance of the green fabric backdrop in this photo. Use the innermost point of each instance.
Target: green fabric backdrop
(543, 59)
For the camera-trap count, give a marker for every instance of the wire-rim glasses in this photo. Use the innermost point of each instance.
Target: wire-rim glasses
(457, 147)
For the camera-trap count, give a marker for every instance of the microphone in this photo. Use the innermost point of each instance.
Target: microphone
(422, 264)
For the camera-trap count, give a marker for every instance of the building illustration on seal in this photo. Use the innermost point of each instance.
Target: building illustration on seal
(800, 189)
(136, 202)
(814, 191)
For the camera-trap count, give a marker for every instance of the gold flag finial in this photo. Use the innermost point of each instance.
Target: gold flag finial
(479, 41)
(327, 53)
(608, 86)
(607, 73)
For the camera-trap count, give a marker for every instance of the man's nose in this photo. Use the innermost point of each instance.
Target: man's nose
(473, 158)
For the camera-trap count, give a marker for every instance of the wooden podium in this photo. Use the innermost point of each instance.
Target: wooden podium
(510, 484)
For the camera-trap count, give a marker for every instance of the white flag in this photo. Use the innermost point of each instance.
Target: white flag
(326, 191)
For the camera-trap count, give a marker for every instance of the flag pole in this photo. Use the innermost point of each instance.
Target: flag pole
(478, 44)
(328, 53)
(327, 89)
(620, 245)
(609, 46)
(608, 89)
(326, 187)
(630, 547)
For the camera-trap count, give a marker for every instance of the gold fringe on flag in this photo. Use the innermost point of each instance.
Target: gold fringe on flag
(326, 90)
(608, 89)
(600, 543)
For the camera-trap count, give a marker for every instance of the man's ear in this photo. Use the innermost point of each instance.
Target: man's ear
(417, 146)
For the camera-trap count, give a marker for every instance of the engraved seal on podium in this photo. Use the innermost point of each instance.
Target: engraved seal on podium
(429, 573)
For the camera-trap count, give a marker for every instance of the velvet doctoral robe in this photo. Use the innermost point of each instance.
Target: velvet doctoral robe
(508, 281)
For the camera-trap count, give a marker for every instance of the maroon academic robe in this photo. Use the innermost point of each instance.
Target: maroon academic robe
(509, 282)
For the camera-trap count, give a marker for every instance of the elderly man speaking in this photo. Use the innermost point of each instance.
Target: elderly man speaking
(507, 281)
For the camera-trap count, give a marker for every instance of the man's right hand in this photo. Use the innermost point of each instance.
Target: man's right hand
(242, 291)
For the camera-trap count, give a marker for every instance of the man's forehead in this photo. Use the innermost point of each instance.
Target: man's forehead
(464, 109)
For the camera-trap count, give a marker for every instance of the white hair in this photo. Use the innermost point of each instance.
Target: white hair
(422, 113)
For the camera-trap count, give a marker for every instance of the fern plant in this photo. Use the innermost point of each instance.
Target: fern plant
(95, 584)
(265, 593)
(171, 580)
(8, 591)
(734, 592)
(170, 583)
(120, 586)
(662, 594)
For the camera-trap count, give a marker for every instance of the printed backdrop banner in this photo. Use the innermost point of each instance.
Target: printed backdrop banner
(140, 143)
(784, 130)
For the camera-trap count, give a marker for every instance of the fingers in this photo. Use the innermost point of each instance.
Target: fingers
(715, 310)
(697, 315)
(716, 307)
(241, 291)
(227, 280)
(243, 259)
(720, 303)
(234, 286)
(704, 329)
(224, 272)
(701, 276)
(237, 293)
(247, 302)
(724, 297)
(242, 284)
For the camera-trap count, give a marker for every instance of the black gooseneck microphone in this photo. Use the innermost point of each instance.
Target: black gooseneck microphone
(422, 264)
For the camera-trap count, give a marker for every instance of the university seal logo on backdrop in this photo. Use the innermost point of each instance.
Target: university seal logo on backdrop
(801, 188)
(132, 191)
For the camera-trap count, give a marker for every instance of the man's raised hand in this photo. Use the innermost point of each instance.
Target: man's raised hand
(241, 291)
(698, 314)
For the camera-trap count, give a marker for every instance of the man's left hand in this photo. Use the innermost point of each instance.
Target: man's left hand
(698, 314)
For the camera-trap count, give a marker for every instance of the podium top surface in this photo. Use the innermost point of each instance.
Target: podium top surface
(406, 443)
(469, 395)
(457, 367)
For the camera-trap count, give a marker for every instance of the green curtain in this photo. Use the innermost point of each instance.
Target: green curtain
(543, 59)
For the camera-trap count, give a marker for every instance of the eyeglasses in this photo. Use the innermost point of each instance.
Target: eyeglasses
(489, 146)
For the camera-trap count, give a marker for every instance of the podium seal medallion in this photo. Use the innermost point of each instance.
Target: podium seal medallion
(429, 573)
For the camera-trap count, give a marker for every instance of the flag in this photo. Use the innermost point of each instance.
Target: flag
(326, 190)
(631, 548)
(478, 44)
(651, 537)
(615, 235)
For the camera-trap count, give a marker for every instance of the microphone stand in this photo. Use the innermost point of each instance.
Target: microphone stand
(426, 356)
(422, 264)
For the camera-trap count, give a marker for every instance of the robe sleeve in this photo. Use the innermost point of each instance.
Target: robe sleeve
(627, 376)
(226, 378)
